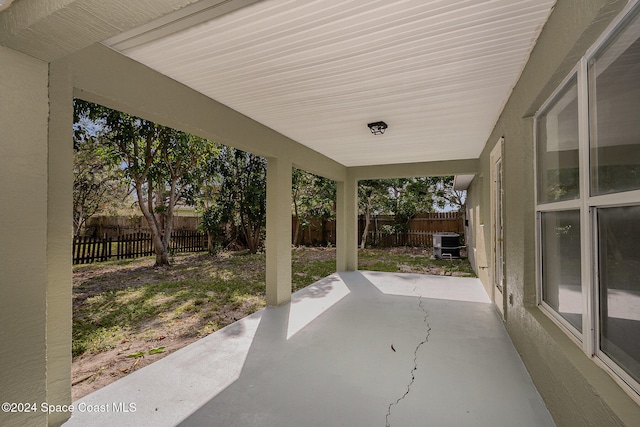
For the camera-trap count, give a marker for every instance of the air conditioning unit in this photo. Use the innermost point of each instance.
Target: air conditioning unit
(446, 245)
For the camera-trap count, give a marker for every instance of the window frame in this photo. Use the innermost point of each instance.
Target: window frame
(574, 333)
(627, 380)
(588, 205)
(562, 205)
(544, 109)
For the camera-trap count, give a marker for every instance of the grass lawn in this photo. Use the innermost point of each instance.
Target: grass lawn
(127, 314)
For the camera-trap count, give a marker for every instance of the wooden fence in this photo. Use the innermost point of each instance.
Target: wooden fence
(87, 249)
(115, 226)
(419, 230)
(313, 232)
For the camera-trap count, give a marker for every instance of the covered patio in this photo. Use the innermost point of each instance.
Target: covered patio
(459, 84)
(354, 349)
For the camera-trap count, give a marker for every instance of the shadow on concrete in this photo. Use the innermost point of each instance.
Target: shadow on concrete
(340, 353)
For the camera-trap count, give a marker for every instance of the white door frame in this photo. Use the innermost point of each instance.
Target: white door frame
(497, 227)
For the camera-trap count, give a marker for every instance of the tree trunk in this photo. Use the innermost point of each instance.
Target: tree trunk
(256, 239)
(367, 222)
(162, 257)
(376, 239)
(296, 231)
(162, 253)
(210, 248)
(168, 223)
(253, 238)
(77, 221)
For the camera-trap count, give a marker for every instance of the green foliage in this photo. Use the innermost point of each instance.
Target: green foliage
(157, 350)
(242, 196)
(443, 193)
(373, 195)
(212, 223)
(163, 165)
(212, 219)
(98, 182)
(404, 198)
(135, 355)
(407, 197)
(312, 197)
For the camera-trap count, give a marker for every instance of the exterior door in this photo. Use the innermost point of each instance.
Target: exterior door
(497, 227)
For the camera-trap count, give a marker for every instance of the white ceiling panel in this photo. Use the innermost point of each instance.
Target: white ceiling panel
(437, 72)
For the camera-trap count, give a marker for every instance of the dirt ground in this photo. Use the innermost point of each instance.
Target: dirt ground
(93, 370)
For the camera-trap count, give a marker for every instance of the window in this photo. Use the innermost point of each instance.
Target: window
(558, 148)
(561, 284)
(615, 104)
(559, 217)
(619, 268)
(588, 202)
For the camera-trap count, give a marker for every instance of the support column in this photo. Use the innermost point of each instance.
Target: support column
(347, 224)
(24, 113)
(59, 240)
(278, 242)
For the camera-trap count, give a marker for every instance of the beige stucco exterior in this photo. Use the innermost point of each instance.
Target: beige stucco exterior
(23, 254)
(577, 391)
(278, 276)
(46, 59)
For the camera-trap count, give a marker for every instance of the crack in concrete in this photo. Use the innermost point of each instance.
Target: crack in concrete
(415, 359)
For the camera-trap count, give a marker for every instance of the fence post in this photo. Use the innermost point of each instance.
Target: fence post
(84, 249)
(94, 249)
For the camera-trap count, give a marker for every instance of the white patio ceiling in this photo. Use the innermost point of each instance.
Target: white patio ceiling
(438, 72)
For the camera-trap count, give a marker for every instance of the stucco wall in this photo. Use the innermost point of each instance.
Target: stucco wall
(23, 233)
(59, 232)
(576, 390)
(478, 241)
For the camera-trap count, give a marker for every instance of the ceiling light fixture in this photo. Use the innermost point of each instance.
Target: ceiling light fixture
(377, 128)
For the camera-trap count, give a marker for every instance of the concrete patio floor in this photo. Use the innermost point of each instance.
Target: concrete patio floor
(354, 349)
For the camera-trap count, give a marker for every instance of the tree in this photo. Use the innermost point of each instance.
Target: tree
(212, 224)
(98, 181)
(408, 197)
(160, 162)
(243, 193)
(206, 201)
(372, 197)
(404, 198)
(444, 195)
(312, 197)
